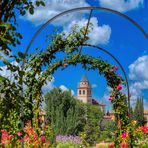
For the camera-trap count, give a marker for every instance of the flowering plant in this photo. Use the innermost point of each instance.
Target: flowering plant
(67, 141)
(70, 138)
(134, 136)
(32, 138)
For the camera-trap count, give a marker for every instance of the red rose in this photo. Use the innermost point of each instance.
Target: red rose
(110, 98)
(111, 70)
(119, 87)
(116, 68)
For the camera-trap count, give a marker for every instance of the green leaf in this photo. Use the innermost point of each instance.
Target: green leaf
(31, 10)
(21, 55)
(6, 62)
(22, 12)
(2, 78)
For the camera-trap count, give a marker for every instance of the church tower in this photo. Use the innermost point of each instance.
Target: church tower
(84, 90)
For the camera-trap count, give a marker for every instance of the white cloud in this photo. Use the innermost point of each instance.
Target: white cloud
(48, 86)
(64, 88)
(54, 7)
(94, 86)
(138, 73)
(121, 5)
(98, 34)
(139, 69)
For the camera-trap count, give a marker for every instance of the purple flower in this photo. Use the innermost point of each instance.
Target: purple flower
(68, 138)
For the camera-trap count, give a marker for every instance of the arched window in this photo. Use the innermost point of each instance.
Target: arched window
(87, 92)
(79, 92)
(83, 92)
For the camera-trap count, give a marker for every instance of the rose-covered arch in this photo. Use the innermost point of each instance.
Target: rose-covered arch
(73, 57)
(69, 46)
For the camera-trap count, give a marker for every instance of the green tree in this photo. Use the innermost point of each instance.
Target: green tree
(139, 112)
(108, 129)
(92, 127)
(9, 36)
(65, 114)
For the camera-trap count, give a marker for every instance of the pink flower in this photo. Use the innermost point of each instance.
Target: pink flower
(5, 137)
(124, 145)
(145, 129)
(111, 70)
(36, 138)
(42, 138)
(119, 87)
(116, 68)
(111, 146)
(110, 98)
(19, 134)
(125, 135)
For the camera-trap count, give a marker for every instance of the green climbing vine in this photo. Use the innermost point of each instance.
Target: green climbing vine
(39, 68)
(69, 45)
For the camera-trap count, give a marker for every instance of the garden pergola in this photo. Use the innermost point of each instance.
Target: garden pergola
(90, 9)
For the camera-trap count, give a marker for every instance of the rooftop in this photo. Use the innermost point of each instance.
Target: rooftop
(84, 78)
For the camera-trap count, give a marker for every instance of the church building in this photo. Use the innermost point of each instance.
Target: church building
(84, 93)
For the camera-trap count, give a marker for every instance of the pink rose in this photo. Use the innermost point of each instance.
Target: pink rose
(42, 138)
(111, 70)
(116, 68)
(125, 135)
(145, 129)
(124, 145)
(110, 98)
(19, 134)
(119, 87)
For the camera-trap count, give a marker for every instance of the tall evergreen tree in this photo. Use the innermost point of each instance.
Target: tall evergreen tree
(139, 111)
(65, 114)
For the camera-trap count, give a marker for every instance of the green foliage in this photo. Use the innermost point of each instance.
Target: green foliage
(9, 36)
(67, 145)
(138, 114)
(108, 129)
(34, 77)
(65, 114)
(92, 127)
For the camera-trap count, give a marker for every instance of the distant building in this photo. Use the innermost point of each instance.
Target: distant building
(84, 93)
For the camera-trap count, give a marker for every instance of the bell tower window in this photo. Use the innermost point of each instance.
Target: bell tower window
(83, 92)
(79, 92)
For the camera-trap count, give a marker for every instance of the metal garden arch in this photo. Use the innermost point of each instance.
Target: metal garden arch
(83, 44)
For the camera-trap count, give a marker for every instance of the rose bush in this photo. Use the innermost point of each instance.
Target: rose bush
(32, 138)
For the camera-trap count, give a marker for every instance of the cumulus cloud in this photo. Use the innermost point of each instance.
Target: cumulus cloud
(98, 34)
(138, 73)
(121, 5)
(64, 88)
(54, 7)
(139, 69)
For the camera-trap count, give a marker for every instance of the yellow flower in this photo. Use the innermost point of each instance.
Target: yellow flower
(134, 122)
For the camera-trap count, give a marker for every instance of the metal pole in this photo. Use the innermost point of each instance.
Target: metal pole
(126, 80)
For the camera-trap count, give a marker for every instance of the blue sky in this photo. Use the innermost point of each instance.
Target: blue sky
(111, 32)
